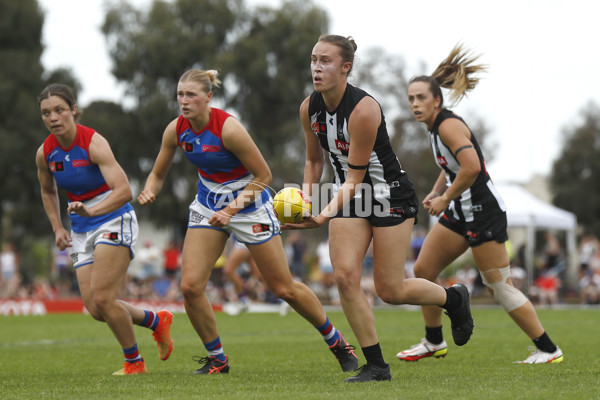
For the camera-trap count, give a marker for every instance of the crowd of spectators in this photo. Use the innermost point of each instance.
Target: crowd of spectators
(155, 274)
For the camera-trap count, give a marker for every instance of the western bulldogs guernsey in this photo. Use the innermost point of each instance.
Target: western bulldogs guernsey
(74, 172)
(482, 197)
(385, 175)
(221, 174)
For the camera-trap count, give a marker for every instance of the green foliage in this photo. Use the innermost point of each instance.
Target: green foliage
(269, 69)
(576, 172)
(408, 138)
(150, 50)
(274, 357)
(20, 125)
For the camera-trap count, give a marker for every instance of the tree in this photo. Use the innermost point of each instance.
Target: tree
(269, 76)
(260, 56)
(576, 172)
(21, 129)
(150, 51)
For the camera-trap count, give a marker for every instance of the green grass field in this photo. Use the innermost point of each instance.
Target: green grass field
(275, 357)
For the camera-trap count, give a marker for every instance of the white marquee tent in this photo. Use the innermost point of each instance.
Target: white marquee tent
(524, 210)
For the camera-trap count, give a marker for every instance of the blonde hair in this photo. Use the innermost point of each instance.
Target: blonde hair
(454, 73)
(207, 79)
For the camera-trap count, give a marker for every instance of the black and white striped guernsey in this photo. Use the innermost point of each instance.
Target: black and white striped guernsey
(384, 175)
(482, 197)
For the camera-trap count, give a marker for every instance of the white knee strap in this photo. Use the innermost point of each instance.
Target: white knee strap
(508, 296)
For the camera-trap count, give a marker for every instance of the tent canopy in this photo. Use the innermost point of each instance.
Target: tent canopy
(525, 210)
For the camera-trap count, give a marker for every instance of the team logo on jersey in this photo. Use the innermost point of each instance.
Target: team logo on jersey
(111, 236)
(67, 158)
(56, 166)
(208, 148)
(342, 146)
(258, 228)
(319, 128)
(81, 163)
(441, 160)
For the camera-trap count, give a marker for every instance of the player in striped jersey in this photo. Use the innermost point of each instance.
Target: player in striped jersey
(373, 200)
(232, 197)
(104, 227)
(472, 213)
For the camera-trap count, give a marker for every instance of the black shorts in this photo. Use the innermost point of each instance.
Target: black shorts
(380, 215)
(484, 228)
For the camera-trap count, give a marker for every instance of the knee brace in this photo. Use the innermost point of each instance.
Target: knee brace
(507, 295)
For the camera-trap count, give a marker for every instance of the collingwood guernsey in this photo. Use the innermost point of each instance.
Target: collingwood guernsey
(384, 178)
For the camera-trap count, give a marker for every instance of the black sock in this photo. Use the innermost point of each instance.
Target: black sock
(544, 343)
(434, 335)
(373, 355)
(453, 299)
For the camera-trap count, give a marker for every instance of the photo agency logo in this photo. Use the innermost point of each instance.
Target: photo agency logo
(369, 200)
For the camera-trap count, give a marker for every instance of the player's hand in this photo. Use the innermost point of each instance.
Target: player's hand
(309, 222)
(77, 207)
(62, 239)
(436, 206)
(146, 197)
(220, 219)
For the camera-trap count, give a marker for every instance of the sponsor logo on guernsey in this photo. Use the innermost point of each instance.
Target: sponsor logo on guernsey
(342, 146)
(207, 148)
(319, 128)
(442, 160)
(187, 147)
(56, 166)
(81, 163)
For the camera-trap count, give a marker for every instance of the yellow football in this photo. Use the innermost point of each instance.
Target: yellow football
(291, 205)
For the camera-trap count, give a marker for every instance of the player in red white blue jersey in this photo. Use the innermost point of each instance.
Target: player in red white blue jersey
(232, 198)
(103, 224)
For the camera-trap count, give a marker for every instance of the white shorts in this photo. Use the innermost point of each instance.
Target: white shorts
(253, 227)
(121, 231)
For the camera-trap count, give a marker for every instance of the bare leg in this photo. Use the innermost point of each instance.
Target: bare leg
(272, 263)
(440, 249)
(99, 283)
(201, 249)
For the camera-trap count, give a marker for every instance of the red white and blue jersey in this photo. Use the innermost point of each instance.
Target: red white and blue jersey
(221, 174)
(74, 172)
